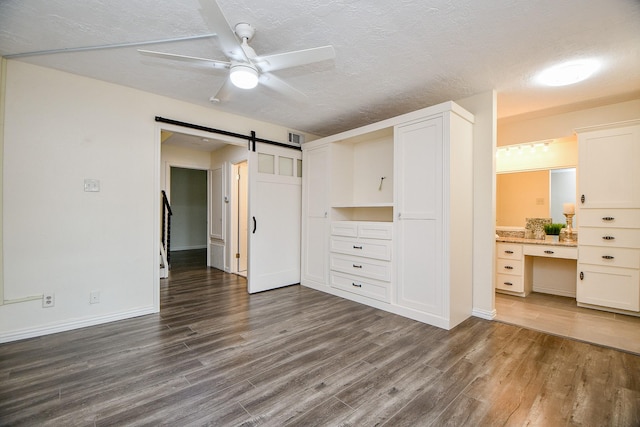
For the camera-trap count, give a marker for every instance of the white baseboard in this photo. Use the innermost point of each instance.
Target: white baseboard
(484, 314)
(188, 248)
(554, 291)
(76, 324)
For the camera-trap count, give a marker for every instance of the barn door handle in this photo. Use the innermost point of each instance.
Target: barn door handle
(255, 225)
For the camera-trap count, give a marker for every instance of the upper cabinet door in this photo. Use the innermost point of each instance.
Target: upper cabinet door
(316, 182)
(609, 167)
(418, 165)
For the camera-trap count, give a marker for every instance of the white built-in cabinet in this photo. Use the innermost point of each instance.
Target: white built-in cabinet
(609, 215)
(315, 214)
(398, 231)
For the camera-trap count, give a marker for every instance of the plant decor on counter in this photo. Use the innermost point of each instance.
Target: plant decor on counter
(553, 229)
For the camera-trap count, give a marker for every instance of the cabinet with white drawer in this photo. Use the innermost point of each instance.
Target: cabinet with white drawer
(360, 258)
(510, 269)
(609, 212)
(551, 251)
(609, 261)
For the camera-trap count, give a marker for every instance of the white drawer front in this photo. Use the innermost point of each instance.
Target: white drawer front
(344, 228)
(509, 266)
(375, 230)
(621, 218)
(367, 287)
(378, 249)
(509, 283)
(613, 257)
(509, 250)
(609, 287)
(610, 237)
(365, 267)
(551, 251)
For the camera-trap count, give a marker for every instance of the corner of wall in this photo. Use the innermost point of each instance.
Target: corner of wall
(3, 70)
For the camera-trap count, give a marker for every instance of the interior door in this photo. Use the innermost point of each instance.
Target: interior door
(275, 200)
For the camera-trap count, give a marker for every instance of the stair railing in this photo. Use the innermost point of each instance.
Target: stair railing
(166, 228)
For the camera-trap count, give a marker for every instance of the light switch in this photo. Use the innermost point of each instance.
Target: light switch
(92, 185)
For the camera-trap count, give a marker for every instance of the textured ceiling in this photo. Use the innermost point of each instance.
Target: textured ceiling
(392, 57)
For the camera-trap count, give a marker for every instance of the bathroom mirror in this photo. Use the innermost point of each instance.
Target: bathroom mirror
(534, 194)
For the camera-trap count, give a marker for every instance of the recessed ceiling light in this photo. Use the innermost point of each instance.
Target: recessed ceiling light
(569, 72)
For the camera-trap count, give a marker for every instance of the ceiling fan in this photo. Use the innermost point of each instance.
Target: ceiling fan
(246, 68)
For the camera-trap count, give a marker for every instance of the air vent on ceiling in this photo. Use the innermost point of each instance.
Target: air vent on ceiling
(295, 138)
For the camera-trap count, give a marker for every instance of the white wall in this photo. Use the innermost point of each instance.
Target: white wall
(516, 130)
(59, 130)
(484, 108)
(224, 159)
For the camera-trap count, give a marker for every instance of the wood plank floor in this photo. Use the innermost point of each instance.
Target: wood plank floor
(298, 357)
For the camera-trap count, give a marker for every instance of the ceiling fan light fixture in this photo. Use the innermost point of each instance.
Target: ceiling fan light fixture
(244, 76)
(569, 72)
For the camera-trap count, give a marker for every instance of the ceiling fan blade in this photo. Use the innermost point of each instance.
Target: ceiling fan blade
(215, 63)
(218, 23)
(278, 85)
(224, 93)
(296, 58)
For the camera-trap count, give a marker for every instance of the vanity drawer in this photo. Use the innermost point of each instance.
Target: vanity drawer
(613, 237)
(362, 229)
(367, 287)
(378, 249)
(509, 266)
(551, 251)
(344, 228)
(375, 230)
(507, 282)
(365, 267)
(621, 218)
(614, 257)
(509, 251)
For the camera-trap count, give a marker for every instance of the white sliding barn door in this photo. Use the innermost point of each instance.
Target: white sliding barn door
(275, 200)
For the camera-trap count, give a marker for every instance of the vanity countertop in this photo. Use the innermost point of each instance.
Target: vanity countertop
(535, 242)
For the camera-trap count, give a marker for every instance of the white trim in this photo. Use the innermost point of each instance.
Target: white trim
(75, 324)
(484, 314)
(188, 248)
(157, 153)
(553, 291)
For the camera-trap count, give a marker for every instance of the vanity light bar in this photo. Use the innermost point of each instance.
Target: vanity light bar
(526, 147)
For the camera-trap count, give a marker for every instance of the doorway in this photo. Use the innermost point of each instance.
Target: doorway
(240, 215)
(189, 201)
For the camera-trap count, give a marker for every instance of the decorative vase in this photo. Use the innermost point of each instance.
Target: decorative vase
(552, 238)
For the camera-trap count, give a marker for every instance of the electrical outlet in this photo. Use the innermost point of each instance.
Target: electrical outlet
(94, 297)
(48, 299)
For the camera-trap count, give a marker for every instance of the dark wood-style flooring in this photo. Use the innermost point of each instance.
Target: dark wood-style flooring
(294, 356)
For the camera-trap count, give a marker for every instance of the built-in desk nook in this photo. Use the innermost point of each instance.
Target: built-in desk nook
(526, 265)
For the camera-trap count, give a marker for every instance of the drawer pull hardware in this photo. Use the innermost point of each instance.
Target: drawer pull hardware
(508, 283)
(581, 275)
(608, 238)
(508, 252)
(356, 285)
(357, 247)
(608, 218)
(357, 266)
(607, 257)
(548, 252)
(582, 198)
(508, 267)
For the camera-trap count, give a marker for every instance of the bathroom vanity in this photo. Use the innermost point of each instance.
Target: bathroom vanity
(515, 260)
